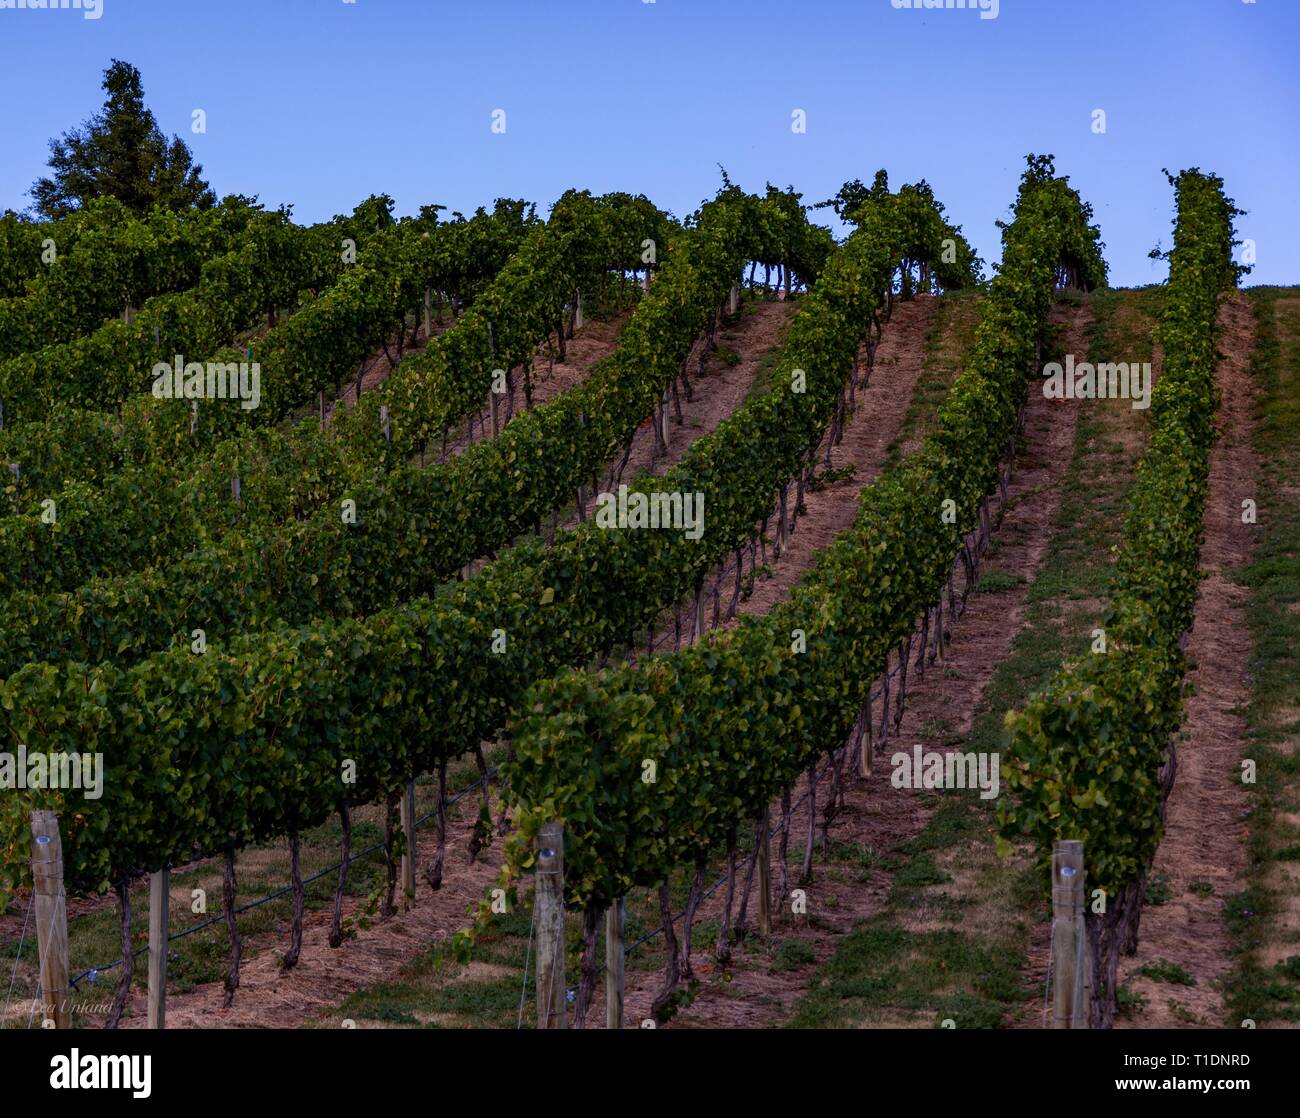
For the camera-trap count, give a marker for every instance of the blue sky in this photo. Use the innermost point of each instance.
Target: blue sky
(321, 102)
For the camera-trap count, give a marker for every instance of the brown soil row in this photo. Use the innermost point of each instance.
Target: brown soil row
(550, 378)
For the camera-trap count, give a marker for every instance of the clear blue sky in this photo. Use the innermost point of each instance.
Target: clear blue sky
(321, 102)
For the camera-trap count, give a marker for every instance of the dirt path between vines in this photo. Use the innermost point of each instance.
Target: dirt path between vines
(881, 407)
(1205, 836)
(1039, 952)
(269, 998)
(378, 368)
(593, 343)
(880, 410)
(750, 994)
(717, 390)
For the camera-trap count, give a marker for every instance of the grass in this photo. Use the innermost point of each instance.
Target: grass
(1129, 1002)
(1162, 970)
(951, 334)
(1157, 889)
(793, 954)
(434, 991)
(1264, 919)
(997, 582)
(892, 976)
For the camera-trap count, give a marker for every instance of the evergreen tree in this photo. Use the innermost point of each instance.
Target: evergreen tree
(121, 153)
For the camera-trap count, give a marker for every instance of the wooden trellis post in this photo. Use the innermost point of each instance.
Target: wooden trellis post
(408, 832)
(552, 996)
(1069, 966)
(764, 877)
(159, 889)
(50, 912)
(614, 920)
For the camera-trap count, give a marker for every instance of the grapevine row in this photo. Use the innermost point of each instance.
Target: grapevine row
(154, 507)
(104, 260)
(1092, 755)
(207, 751)
(414, 526)
(269, 264)
(735, 719)
(143, 516)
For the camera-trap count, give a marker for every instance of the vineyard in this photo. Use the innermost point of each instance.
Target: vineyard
(395, 605)
(582, 615)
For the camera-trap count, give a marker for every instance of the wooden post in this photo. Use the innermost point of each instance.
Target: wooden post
(552, 996)
(782, 530)
(1069, 1010)
(614, 919)
(51, 915)
(864, 738)
(733, 302)
(408, 831)
(764, 878)
(159, 887)
(579, 319)
(428, 312)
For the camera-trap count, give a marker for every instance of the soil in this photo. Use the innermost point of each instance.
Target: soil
(880, 410)
(717, 391)
(594, 342)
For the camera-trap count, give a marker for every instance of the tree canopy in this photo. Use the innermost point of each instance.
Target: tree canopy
(121, 152)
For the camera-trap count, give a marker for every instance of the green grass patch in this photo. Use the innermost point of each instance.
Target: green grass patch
(1162, 970)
